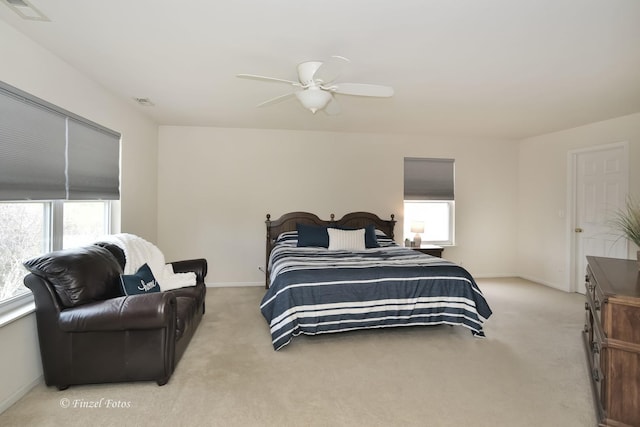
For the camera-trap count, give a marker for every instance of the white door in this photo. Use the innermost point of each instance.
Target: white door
(600, 185)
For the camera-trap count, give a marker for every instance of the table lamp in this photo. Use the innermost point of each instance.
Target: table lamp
(418, 228)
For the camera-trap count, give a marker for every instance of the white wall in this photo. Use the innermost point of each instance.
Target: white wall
(31, 68)
(543, 234)
(20, 366)
(216, 186)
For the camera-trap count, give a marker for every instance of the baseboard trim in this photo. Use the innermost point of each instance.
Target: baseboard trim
(544, 282)
(493, 276)
(19, 394)
(233, 284)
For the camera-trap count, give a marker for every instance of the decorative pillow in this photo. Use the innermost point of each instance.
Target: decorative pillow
(142, 282)
(312, 235)
(349, 240)
(370, 239)
(79, 275)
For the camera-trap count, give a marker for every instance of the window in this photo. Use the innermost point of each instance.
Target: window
(58, 172)
(429, 199)
(29, 229)
(84, 222)
(437, 217)
(22, 235)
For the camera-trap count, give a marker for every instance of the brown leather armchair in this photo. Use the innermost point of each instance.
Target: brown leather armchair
(90, 332)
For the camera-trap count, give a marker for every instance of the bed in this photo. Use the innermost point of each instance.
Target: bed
(357, 277)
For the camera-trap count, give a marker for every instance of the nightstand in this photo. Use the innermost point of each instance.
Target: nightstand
(432, 250)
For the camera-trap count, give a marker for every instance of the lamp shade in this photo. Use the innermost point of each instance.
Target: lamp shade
(314, 98)
(417, 227)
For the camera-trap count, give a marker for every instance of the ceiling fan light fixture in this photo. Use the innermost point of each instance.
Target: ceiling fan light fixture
(314, 98)
(316, 87)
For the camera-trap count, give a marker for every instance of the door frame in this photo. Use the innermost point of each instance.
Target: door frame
(575, 280)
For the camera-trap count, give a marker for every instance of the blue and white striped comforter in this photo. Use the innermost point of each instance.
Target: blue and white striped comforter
(315, 291)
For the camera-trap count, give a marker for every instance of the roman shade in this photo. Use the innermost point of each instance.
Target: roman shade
(47, 153)
(428, 179)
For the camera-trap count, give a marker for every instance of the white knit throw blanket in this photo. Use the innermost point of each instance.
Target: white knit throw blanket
(138, 252)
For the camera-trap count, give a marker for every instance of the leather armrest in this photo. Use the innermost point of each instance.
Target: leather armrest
(146, 311)
(198, 266)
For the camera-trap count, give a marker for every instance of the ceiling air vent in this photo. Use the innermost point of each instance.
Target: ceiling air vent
(26, 10)
(145, 102)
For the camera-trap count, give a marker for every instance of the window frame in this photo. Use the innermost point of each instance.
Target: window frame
(16, 307)
(451, 231)
(22, 304)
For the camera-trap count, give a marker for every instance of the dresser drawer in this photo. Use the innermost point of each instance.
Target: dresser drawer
(597, 372)
(594, 307)
(589, 281)
(595, 341)
(593, 351)
(595, 291)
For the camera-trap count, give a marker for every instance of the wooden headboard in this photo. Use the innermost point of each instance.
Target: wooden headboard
(288, 222)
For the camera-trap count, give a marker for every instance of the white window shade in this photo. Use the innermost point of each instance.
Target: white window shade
(47, 153)
(428, 179)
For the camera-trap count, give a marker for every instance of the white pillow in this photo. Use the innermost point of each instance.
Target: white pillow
(348, 240)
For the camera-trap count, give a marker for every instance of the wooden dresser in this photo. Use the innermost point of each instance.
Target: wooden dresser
(612, 339)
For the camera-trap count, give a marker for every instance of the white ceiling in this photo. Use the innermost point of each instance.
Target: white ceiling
(488, 68)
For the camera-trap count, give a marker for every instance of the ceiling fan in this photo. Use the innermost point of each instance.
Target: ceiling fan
(316, 86)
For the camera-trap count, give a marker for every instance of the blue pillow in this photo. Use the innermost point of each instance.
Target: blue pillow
(142, 282)
(312, 235)
(370, 239)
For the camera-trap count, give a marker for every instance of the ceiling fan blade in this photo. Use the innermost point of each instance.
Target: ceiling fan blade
(362, 89)
(276, 100)
(269, 79)
(330, 69)
(332, 108)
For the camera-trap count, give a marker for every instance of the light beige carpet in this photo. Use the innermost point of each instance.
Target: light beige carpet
(529, 371)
